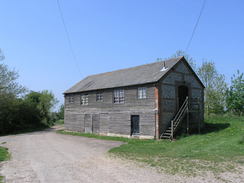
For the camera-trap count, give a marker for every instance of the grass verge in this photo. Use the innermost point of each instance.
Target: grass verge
(90, 135)
(4, 155)
(219, 148)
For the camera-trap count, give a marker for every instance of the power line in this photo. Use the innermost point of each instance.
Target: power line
(68, 37)
(195, 27)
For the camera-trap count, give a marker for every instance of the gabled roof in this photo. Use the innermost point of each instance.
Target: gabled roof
(148, 73)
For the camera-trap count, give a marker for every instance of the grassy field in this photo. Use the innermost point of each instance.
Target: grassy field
(59, 122)
(219, 148)
(4, 155)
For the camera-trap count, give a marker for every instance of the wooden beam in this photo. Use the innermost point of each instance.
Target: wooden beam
(157, 111)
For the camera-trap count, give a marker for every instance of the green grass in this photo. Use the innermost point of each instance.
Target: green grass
(219, 148)
(4, 155)
(1, 179)
(90, 135)
(59, 122)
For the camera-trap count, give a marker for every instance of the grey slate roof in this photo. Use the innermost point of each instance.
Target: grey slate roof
(148, 73)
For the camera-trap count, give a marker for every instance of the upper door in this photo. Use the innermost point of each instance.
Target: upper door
(182, 94)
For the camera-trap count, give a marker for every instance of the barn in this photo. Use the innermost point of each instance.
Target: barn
(156, 100)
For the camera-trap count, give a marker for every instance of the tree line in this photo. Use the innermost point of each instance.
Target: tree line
(21, 109)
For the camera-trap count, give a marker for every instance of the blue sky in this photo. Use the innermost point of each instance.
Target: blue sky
(108, 35)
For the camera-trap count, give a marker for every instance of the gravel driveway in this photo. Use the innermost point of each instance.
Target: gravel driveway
(48, 157)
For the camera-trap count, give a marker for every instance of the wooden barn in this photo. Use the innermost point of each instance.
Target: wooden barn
(156, 100)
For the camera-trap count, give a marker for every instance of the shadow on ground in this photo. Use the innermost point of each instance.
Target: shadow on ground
(208, 128)
(42, 128)
(214, 127)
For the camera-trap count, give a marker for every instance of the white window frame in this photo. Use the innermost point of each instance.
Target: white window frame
(70, 99)
(142, 93)
(99, 96)
(119, 96)
(84, 99)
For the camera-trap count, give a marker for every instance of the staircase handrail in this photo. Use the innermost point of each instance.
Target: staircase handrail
(178, 117)
(185, 103)
(176, 120)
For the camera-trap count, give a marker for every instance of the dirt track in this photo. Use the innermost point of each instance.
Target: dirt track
(48, 157)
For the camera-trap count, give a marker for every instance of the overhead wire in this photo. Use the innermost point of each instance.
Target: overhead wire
(196, 24)
(68, 37)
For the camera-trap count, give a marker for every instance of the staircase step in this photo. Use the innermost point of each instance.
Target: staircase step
(167, 134)
(176, 120)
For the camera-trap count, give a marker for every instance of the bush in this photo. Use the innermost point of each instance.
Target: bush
(17, 115)
(27, 113)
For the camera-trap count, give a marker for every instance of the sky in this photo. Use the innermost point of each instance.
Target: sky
(109, 35)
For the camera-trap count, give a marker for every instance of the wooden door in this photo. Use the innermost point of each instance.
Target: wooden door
(88, 123)
(95, 123)
(135, 125)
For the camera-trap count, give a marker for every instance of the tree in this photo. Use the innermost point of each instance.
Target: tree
(19, 112)
(17, 115)
(215, 88)
(8, 80)
(60, 113)
(44, 101)
(235, 94)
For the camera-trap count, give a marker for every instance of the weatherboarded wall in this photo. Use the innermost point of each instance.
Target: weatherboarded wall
(108, 118)
(180, 75)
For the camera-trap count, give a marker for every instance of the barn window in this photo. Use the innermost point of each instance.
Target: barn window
(84, 99)
(99, 97)
(71, 100)
(142, 93)
(119, 96)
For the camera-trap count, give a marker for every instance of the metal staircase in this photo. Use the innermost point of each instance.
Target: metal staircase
(175, 122)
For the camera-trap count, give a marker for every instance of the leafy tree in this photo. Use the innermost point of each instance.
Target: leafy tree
(215, 88)
(235, 94)
(19, 112)
(8, 80)
(17, 115)
(58, 117)
(29, 112)
(60, 113)
(44, 101)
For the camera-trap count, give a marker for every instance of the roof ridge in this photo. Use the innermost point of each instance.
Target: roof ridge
(177, 58)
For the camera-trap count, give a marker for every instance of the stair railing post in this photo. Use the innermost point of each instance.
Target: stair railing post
(172, 129)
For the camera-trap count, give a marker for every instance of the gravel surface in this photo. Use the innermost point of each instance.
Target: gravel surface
(48, 157)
